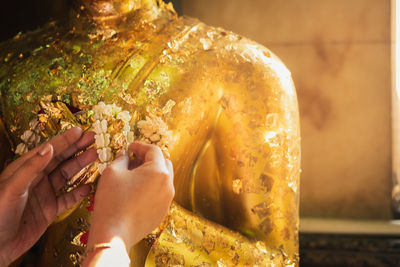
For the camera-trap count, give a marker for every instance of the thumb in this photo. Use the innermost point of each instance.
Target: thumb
(29, 170)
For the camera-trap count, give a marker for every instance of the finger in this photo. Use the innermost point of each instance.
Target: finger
(21, 180)
(68, 145)
(59, 143)
(121, 162)
(147, 152)
(67, 170)
(67, 200)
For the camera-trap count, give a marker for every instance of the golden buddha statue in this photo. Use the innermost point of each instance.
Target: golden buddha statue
(221, 106)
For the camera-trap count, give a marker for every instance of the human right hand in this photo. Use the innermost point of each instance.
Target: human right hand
(131, 201)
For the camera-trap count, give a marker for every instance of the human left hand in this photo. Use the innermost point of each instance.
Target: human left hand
(28, 190)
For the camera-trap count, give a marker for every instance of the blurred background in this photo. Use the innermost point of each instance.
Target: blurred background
(342, 57)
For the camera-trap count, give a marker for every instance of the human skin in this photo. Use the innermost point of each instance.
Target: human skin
(29, 204)
(132, 199)
(28, 190)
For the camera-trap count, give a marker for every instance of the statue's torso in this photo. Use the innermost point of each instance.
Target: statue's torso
(235, 145)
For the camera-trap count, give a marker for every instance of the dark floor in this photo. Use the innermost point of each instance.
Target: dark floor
(349, 250)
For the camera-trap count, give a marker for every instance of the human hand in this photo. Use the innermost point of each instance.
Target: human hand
(28, 190)
(131, 201)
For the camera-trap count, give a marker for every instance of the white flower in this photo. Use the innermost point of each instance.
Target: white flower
(130, 137)
(146, 127)
(30, 138)
(108, 111)
(104, 154)
(104, 116)
(36, 140)
(21, 149)
(102, 140)
(97, 115)
(126, 128)
(115, 109)
(155, 138)
(124, 116)
(154, 130)
(104, 125)
(97, 127)
(100, 127)
(102, 167)
(34, 124)
(27, 136)
(98, 111)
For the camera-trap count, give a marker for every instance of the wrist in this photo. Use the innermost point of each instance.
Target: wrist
(105, 231)
(107, 254)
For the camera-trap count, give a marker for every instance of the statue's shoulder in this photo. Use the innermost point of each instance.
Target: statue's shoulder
(233, 52)
(233, 46)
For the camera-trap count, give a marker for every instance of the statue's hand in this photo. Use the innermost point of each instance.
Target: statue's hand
(132, 199)
(28, 186)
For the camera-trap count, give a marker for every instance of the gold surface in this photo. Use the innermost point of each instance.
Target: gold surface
(235, 129)
(343, 107)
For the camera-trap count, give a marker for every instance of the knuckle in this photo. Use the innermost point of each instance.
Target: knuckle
(155, 148)
(64, 171)
(59, 158)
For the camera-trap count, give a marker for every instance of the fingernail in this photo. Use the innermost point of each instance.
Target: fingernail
(121, 153)
(45, 149)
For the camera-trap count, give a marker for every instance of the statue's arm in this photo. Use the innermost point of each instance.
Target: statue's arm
(257, 146)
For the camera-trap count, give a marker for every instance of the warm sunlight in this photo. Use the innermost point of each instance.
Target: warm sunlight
(114, 255)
